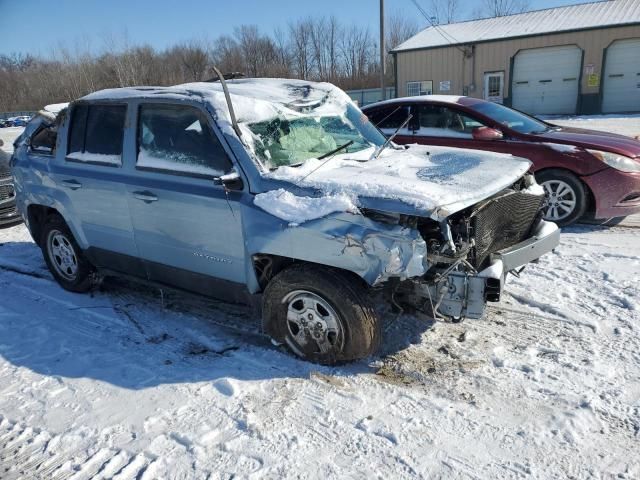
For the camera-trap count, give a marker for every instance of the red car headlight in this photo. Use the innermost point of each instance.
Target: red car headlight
(619, 162)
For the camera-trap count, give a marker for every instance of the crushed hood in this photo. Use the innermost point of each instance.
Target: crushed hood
(420, 180)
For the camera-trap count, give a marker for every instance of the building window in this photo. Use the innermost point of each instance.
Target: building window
(419, 88)
(494, 87)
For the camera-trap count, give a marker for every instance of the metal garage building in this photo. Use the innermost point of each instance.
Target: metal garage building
(576, 59)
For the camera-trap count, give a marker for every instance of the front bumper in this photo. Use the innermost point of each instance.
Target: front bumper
(616, 193)
(462, 294)
(544, 239)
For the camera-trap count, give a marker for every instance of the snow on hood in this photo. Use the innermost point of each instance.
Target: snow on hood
(437, 181)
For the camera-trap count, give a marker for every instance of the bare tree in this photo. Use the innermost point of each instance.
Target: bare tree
(500, 8)
(195, 60)
(358, 52)
(445, 11)
(309, 48)
(300, 34)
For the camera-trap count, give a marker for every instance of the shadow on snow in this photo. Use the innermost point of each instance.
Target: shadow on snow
(136, 337)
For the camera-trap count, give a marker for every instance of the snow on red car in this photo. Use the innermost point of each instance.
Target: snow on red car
(582, 171)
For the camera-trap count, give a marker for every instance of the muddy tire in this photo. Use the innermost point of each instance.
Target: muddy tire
(63, 256)
(567, 197)
(321, 314)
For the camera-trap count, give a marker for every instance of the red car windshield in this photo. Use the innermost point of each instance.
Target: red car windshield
(508, 117)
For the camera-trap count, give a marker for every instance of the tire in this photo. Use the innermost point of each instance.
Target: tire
(63, 256)
(567, 196)
(322, 315)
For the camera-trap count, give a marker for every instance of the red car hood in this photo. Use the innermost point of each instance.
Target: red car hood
(593, 139)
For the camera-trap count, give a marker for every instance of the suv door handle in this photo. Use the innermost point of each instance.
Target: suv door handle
(146, 196)
(72, 184)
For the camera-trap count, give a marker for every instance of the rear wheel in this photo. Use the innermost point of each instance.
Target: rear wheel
(64, 257)
(320, 314)
(566, 196)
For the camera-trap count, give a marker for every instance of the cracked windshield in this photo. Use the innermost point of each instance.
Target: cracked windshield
(290, 141)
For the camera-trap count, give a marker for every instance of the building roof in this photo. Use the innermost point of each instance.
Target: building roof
(551, 20)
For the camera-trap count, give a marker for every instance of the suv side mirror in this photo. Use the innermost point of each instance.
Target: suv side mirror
(486, 133)
(230, 181)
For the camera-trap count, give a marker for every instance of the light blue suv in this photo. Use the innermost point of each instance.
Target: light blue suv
(280, 190)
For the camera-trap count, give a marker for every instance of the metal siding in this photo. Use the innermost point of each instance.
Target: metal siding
(549, 21)
(445, 63)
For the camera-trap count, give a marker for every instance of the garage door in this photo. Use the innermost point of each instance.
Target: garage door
(621, 79)
(546, 80)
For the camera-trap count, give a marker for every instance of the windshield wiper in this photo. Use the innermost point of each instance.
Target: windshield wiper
(336, 150)
(377, 153)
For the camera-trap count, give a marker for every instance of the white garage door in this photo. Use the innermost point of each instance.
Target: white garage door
(621, 87)
(546, 80)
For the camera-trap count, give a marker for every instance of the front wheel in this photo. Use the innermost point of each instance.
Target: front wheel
(566, 196)
(321, 314)
(64, 257)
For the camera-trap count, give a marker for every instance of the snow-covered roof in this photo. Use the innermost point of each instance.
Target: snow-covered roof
(551, 20)
(55, 108)
(253, 99)
(273, 90)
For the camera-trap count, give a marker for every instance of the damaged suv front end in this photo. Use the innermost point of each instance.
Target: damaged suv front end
(437, 228)
(470, 252)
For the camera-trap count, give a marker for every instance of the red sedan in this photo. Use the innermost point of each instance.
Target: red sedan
(582, 171)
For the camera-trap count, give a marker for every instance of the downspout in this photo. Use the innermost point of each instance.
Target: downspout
(473, 68)
(395, 73)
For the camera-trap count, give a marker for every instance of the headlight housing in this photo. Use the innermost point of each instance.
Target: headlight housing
(619, 162)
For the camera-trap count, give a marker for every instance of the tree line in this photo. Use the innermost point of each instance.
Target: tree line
(321, 49)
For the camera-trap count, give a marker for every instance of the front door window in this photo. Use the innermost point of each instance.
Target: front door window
(441, 121)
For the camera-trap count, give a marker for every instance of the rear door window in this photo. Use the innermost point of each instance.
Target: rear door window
(390, 118)
(97, 132)
(178, 139)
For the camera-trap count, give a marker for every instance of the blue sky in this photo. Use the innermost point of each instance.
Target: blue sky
(37, 26)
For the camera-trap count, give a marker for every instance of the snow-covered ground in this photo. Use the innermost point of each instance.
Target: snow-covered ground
(547, 386)
(615, 123)
(126, 383)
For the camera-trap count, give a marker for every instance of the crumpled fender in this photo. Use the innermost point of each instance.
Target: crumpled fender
(372, 250)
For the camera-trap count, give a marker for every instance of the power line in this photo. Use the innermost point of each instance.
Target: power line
(450, 39)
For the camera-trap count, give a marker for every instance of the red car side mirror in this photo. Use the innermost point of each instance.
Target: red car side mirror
(486, 133)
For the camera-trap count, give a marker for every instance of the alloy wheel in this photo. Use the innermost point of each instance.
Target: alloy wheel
(561, 200)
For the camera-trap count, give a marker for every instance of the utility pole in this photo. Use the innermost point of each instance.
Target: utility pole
(382, 51)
